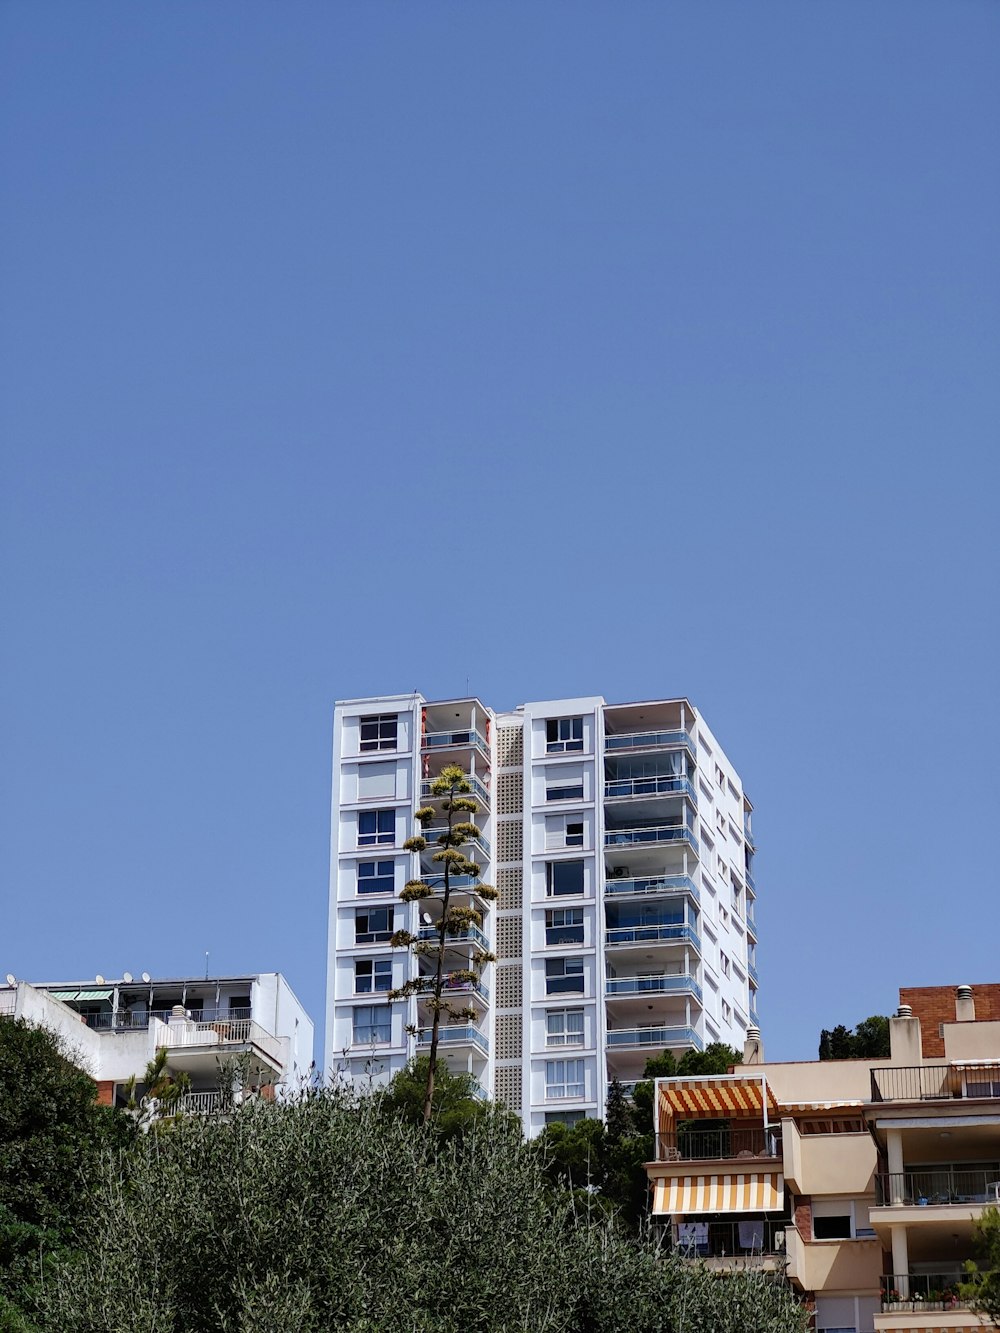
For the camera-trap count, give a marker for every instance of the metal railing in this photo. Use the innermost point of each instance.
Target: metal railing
(704, 1145)
(471, 935)
(641, 885)
(455, 1036)
(720, 1240)
(945, 1185)
(656, 786)
(458, 988)
(632, 837)
(651, 986)
(447, 740)
(916, 1292)
(201, 1103)
(479, 791)
(665, 932)
(224, 1032)
(128, 1021)
(660, 1038)
(432, 835)
(923, 1083)
(648, 740)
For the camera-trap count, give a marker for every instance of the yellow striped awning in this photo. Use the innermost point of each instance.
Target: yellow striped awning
(721, 1095)
(749, 1192)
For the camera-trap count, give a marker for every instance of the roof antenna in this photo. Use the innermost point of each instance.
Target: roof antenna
(206, 964)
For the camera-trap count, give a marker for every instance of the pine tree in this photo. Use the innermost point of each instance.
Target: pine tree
(449, 921)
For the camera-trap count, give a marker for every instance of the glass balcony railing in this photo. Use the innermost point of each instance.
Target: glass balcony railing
(472, 935)
(451, 740)
(634, 837)
(432, 835)
(672, 985)
(629, 886)
(750, 880)
(659, 1038)
(648, 740)
(657, 786)
(659, 933)
(479, 791)
(455, 1036)
(752, 972)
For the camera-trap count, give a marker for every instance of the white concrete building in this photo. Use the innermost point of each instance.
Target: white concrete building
(113, 1029)
(619, 839)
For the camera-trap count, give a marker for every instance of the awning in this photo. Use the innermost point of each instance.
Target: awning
(81, 994)
(716, 1096)
(64, 994)
(754, 1192)
(820, 1106)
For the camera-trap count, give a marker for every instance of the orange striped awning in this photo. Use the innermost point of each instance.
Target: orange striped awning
(751, 1192)
(721, 1095)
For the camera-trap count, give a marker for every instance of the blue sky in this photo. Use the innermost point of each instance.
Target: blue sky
(635, 349)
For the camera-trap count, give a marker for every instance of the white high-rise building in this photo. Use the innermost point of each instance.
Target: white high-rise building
(619, 838)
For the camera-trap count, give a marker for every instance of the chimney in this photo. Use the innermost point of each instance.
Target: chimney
(965, 1005)
(904, 1037)
(753, 1048)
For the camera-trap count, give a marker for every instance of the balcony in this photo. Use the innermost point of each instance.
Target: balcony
(752, 973)
(649, 740)
(641, 1039)
(922, 1293)
(480, 847)
(926, 1083)
(663, 785)
(750, 881)
(455, 740)
(479, 791)
(733, 1240)
(632, 887)
(217, 1035)
(673, 985)
(662, 933)
(202, 1103)
(719, 1144)
(473, 989)
(944, 1186)
(639, 837)
(469, 937)
(455, 1036)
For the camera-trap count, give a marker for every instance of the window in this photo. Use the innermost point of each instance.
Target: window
(837, 1227)
(563, 976)
(376, 781)
(373, 925)
(375, 877)
(376, 827)
(564, 1027)
(723, 964)
(564, 925)
(563, 1078)
(379, 732)
(563, 831)
(371, 1024)
(566, 1118)
(371, 974)
(563, 877)
(720, 777)
(564, 783)
(563, 734)
(727, 1013)
(574, 835)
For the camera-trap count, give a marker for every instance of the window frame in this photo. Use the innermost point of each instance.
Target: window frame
(554, 869)
(379, 969)
(566, 1079)
(378, 742)
(567, 969)
(576, 924)
(380, 836)
(373, 936)
(374, 1027)
(565, 1037)
(383, 880)
(563, 735)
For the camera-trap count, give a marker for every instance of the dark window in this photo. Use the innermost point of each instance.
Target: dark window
(832, 1228)
(564, 925)
(564, 1117)
(563, 877)
(375, 877)
(564, 976)
(570, 791)
(379, 732)
(574, 835)
(373, 925)
(376, 827)
(371, 974)
(563, 734)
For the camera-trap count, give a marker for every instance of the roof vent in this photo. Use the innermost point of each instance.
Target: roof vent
(753, 1033)
(963, 993)
(904, 1011)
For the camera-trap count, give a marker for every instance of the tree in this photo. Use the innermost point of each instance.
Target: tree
(982, 1290)
(164, 1091)
(451, 922)
(456, 1108)
(868, 1041)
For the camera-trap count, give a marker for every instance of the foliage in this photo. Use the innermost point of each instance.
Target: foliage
(982, 1290)
(327, 1213)
(449, 922)
(716, 1058)
(52, 1134)
(868, 1041)
(164, 1091)
(455, 1106)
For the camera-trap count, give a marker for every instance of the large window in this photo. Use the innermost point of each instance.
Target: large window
(563, 1078)
(563, 976)
(564, 925)
(564, 783)
(372, 1023)
(373, 925)
(372, 974)
(376, 827)
(564, 1027)
(563, 877)
(563, 734)
(379, 731)
(375, 877)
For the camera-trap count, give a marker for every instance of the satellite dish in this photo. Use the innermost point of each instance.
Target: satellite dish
(145, 976)
(99, 979)
(126, 976)
(11, 979)
(427, 918)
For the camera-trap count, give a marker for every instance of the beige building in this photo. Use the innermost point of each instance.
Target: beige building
(860, 1180)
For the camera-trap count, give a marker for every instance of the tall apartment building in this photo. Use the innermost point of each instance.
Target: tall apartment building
(619, 838)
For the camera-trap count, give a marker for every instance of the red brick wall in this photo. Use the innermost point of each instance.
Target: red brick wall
(935, 1005)
(105, 1094)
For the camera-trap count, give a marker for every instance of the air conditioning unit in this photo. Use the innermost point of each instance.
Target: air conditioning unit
(619, 872)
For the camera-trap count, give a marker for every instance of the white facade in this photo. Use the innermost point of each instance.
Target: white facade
(619, 839)
(113, 1028)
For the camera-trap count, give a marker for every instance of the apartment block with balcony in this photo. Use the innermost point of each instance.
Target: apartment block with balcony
(619, 838)
(114, 1028)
